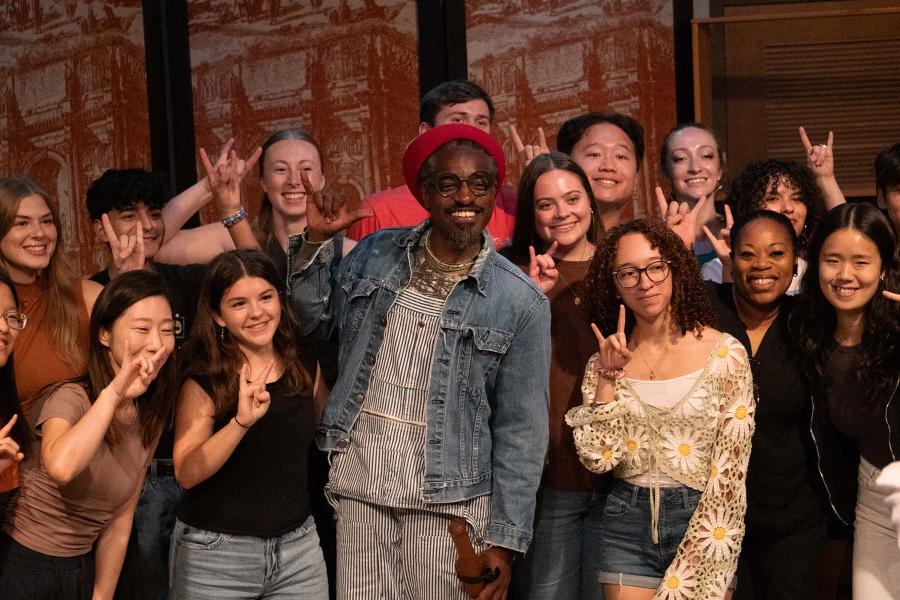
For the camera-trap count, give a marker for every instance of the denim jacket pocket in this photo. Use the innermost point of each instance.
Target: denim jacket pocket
(489, 346)
(359, 294)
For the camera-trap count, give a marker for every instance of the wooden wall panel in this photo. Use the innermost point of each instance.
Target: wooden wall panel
(544, 61)
(346, 70)
(73, 102)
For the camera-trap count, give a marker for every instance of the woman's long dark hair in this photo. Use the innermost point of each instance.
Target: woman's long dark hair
(814, 319)
(524, 235)
(217, 358)
(155, 406)
(9, 397)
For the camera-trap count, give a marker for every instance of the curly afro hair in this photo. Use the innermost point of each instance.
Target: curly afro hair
(756, 181)
(691, 307)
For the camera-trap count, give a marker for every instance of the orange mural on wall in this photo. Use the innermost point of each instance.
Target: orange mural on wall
(345, 70)
(545, 61)
(73, 102)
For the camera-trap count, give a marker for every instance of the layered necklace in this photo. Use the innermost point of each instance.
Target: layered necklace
(447, 266)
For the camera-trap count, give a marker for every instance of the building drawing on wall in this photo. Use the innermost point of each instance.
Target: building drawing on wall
(73, 101)
(345, 70)
(544, 61)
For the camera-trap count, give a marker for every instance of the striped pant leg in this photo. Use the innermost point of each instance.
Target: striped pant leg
(368, 551)
(429, 556)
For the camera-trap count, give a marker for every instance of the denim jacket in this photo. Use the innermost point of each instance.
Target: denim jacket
(487, 423)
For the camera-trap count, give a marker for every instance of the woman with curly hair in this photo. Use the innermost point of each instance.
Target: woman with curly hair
(668, 407)
(850, 334)
(784, 187)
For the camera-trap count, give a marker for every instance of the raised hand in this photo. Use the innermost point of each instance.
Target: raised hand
(527, 152)
(891, 295)
(819, 158)
(9, 449)
(224, 178)
(253, 399)
(136, 373)
(127, 250)
(223, 157)
(680, 218)
(614, 353)
(722, 244)
(542, 268)
(328, 214)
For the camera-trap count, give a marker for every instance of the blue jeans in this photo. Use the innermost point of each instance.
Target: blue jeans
(145, 572)
(208, 565)
(563, 560)
(628, 555)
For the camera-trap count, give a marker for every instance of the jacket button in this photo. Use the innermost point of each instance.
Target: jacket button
(343, 444)
(370, 359)
(359, 397)
(421, 323)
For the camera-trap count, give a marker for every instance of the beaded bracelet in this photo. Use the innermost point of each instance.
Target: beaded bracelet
(232, 220)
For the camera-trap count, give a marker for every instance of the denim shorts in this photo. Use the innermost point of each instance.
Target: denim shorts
(628, 555)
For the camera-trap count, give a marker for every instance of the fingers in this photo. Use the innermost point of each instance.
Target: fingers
(805, 139)
(533, 269)
(709, 235)
(661, 202)
(223, 155)
(311, 193)
(673, 209)
(9, 425)
(245, 375)
(139, 243)
(110, 233)
(542, 140)
(597, 334)
(250, 162)
(700, 204)
(207, 165)
(621, 327)
(729, 218)
(684, 209)
(10, 449)
(891, 295)
(829, 143)
(517, 141)
(552, 248)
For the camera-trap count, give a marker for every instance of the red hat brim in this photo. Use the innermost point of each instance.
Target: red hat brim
(418, 151)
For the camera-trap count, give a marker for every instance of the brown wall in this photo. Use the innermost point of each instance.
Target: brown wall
(345, 70)
(73, 101)
(544, 61)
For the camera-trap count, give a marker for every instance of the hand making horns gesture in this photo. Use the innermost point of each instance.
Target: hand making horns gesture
(527, 152)
(819, 158)
(542, 268)
(680, 218)
(9, 448)
(328, 214)
(224, 178)
(253, 399)
(614, 353)
(127, 250)
(136, 373)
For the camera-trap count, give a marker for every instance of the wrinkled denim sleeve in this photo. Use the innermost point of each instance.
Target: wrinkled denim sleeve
(312, 277)
(520, 430)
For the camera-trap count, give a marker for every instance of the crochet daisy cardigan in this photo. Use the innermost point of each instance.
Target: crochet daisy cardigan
(703, 441)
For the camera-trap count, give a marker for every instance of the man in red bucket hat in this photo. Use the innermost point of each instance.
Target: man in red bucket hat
(440, 406)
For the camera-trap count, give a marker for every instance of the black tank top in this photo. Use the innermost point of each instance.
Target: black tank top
(261, 490)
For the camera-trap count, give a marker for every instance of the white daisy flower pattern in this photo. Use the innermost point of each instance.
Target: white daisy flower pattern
(677, 584)
(718, 473)
(635, 446)
(718, 534)
(682, 449)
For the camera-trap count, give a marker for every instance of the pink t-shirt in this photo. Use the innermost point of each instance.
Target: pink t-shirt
(67, 520)
(397, 207)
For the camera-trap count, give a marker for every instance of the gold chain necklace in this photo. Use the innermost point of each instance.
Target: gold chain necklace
(568, 285)
(658, 362)
(441, 264)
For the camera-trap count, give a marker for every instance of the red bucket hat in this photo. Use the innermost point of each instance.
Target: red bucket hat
(418, 151)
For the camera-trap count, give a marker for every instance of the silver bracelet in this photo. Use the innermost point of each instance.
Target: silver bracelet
(232, 220)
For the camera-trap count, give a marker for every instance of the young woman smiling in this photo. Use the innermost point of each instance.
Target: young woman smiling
(787, 508)
(66, 531)
(849, 332)
(668, 407)
(243, 429)
(556, 220)
(56, 300)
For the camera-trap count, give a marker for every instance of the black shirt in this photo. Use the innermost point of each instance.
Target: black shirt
(261, 490)
(784, 490)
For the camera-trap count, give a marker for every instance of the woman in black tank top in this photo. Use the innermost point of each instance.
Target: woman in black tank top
(244, 425)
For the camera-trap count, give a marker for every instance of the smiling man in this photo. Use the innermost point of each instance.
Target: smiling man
(440, 407)
(457, 101)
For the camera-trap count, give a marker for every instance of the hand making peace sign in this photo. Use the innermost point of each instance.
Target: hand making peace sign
(136, 373)
(253, 399)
